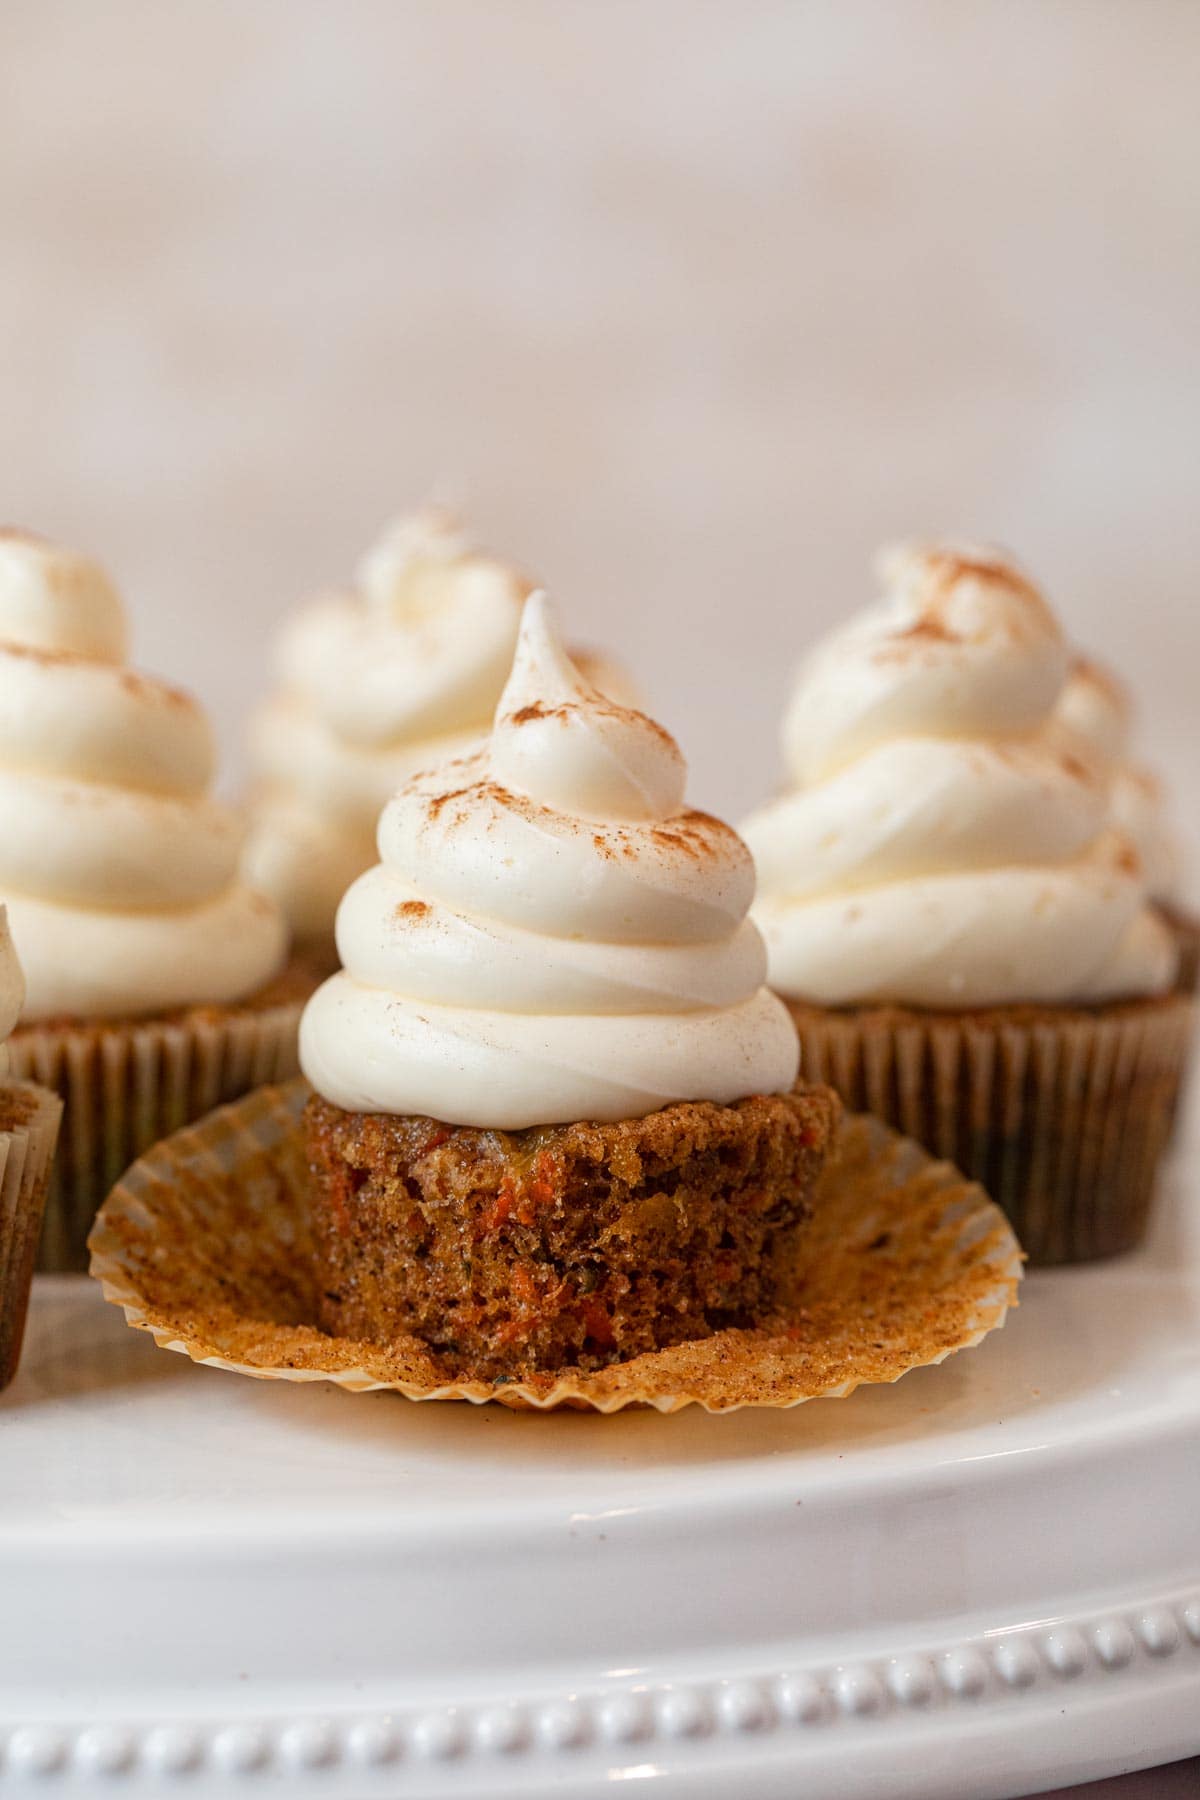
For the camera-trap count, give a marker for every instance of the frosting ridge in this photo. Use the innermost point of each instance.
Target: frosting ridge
(1097, 705)
(946, 840)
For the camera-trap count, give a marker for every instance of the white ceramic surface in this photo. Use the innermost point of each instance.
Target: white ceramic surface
(984, 1580)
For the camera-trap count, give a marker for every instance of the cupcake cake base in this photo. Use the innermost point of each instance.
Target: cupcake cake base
(209, 1244)
(563, 1245)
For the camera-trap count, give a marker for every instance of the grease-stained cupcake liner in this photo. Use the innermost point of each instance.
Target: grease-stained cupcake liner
(30, 1118)
(127, 1085)
(207, 1244)
(1062, 1115)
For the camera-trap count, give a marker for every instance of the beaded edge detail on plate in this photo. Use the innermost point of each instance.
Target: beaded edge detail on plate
(981, 1669)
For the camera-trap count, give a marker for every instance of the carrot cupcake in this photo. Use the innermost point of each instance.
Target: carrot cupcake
(966, 944)
(29, 1119)
(152, 973)
(399, 672)
(554, 1122)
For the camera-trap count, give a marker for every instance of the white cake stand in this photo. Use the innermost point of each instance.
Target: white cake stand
(983, 1581)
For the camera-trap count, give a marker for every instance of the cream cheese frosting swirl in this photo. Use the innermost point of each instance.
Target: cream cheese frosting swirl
(550, 934)
(121, 870)
(946, 842)
(1097, 705)
(398, 673)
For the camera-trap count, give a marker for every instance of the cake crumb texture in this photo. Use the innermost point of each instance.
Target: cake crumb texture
(561, 1246)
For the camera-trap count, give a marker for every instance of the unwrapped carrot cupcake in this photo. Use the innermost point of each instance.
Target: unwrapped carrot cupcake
(399, 672)
(966, 944)
(554, 1122)
(154, 984)
(1096, 703)
(29, 1120)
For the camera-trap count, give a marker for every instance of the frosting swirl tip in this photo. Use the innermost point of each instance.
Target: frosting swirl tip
(58, 600)
(557, 739)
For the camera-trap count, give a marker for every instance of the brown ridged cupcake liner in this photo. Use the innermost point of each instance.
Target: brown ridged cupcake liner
(32, 1115)
(126, 1085)
(207, 1244)
(1186, 927)
(1061, 1114)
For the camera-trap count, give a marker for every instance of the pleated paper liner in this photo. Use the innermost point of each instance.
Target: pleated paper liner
(128, 1085)
(206, 1243)
(1186, 927)
(1062, 1114)
(29, 1121)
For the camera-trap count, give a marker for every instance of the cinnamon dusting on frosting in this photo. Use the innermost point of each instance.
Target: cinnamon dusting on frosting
(592, 957)
(1074, 767)
(121, 867)
(148, 687)
(1083, 668)
(939, 780)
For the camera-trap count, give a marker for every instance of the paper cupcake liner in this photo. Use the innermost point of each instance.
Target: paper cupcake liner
(1061, 1115)
(26, 1153)
(1186, 928)
(207, 1244)
(125, 1086)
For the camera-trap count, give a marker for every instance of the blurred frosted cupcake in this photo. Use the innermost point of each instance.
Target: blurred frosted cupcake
(154, 976)
(1097, 704)
(398, 673)
(29, 1120)
(554, 1123)
(966, 944)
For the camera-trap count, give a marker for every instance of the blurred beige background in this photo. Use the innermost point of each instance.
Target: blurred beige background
(693, 303)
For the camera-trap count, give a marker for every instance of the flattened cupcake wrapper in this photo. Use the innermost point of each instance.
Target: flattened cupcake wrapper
(1063, 1119)
(26, 1153)
(126, 1086)
(207, 1244)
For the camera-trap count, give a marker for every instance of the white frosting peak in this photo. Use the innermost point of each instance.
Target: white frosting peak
(945, 841)
(961, 644)
(559, 741)
(396, 575)
(549, 935)
(121, 872)
(56, 600)
(398, 674)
